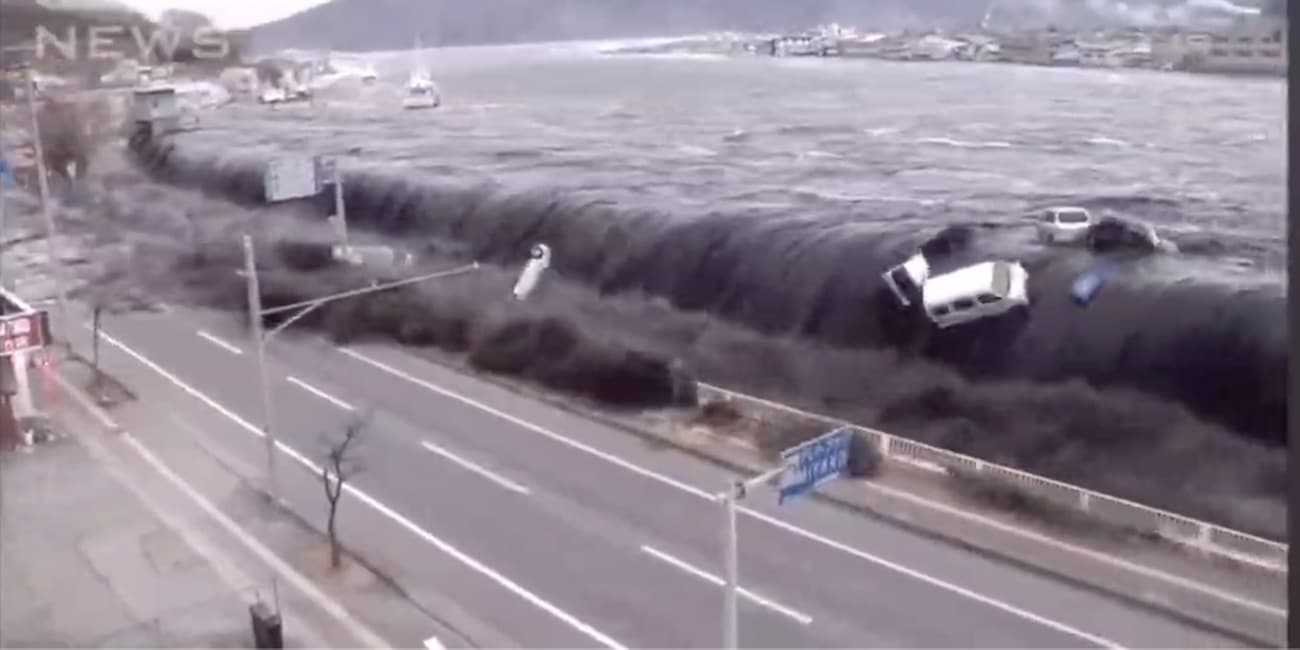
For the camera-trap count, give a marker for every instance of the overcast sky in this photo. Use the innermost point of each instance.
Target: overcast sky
(230, 14)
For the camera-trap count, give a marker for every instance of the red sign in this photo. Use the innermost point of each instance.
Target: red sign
(22, 332)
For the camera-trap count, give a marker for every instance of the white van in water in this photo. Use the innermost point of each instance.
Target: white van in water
(975, 292)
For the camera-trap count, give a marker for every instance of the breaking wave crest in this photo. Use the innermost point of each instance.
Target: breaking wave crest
(1217, 346)
(1095, 395)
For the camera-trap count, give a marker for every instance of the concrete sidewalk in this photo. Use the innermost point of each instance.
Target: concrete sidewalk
(110, 539)
(84, 562)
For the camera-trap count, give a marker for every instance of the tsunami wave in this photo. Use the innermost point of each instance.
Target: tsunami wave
(1179, 360)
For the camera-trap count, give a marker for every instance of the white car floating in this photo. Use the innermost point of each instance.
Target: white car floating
(1063, 225)
(539, 259)
(905, 280)
(974, 292)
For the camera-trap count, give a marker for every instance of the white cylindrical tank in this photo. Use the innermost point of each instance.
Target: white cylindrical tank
(539, 259)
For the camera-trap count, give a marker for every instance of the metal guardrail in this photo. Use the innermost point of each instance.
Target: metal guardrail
(1202, 536)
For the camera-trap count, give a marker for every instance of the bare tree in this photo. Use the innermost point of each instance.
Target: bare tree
(340, 465)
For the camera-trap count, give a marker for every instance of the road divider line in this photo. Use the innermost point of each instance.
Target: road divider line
(605, 456)
(448, 549)
(690, 489)
(478, 469)
(219, 343)
(321, 394)
(936, 582)
(802, 618)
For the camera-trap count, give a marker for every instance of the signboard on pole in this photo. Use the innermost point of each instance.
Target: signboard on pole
(815, 462)
(23, 332)
(327, 170)
(290, 178)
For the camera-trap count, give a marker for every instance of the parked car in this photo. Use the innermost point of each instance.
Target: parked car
(1063, 224)
(974, 292)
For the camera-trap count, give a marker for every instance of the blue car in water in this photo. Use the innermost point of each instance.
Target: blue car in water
(1090, 283)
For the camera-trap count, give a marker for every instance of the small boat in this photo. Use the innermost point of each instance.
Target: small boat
(421, 91)
(369, 75)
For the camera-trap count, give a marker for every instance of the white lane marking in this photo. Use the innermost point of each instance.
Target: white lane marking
(321, 394)
(605, 456)
(411, 526)
(941, 584)
(478, 469)
(797, 615)
(359, 630)
(219, 343)
(947, 586)
(432, 643)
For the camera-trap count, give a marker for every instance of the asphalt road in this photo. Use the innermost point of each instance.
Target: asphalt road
(550, 530)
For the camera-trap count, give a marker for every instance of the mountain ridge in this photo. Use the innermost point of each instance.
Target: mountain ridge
(361, 25)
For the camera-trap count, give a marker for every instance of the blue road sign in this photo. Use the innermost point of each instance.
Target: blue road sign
(814, 462)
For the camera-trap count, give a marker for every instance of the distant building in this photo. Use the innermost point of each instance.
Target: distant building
(1256, 45)
(1098, 55)
(1066, 53)
(1180, 50)
(240, 82)
(1032, 49)
(933, 47)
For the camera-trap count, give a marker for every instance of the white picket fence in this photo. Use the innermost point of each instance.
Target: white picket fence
(1202, 536)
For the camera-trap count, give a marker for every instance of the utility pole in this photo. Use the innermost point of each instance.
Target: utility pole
(51, 230)
(259, 340)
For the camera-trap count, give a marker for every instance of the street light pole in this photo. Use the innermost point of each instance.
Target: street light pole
(340, 212)
(731, 559)
(260, 337)
(259, 341)
(730, 630)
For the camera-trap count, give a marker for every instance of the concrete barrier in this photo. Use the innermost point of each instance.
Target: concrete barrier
(1204, 537)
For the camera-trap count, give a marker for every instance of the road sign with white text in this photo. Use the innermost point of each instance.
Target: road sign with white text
(23, 332)
(815, 462)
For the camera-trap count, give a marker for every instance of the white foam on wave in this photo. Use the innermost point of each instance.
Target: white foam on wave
(693, 150)
(1248, 139)
(1102, 140)
(966, 144)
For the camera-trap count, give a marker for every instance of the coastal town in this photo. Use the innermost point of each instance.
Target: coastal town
(1254, 45)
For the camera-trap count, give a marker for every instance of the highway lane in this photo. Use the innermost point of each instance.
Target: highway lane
(574, 558)
(852, 601)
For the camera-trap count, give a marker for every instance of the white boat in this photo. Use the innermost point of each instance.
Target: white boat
(369, 75)
(272, 95)
(421, 91)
